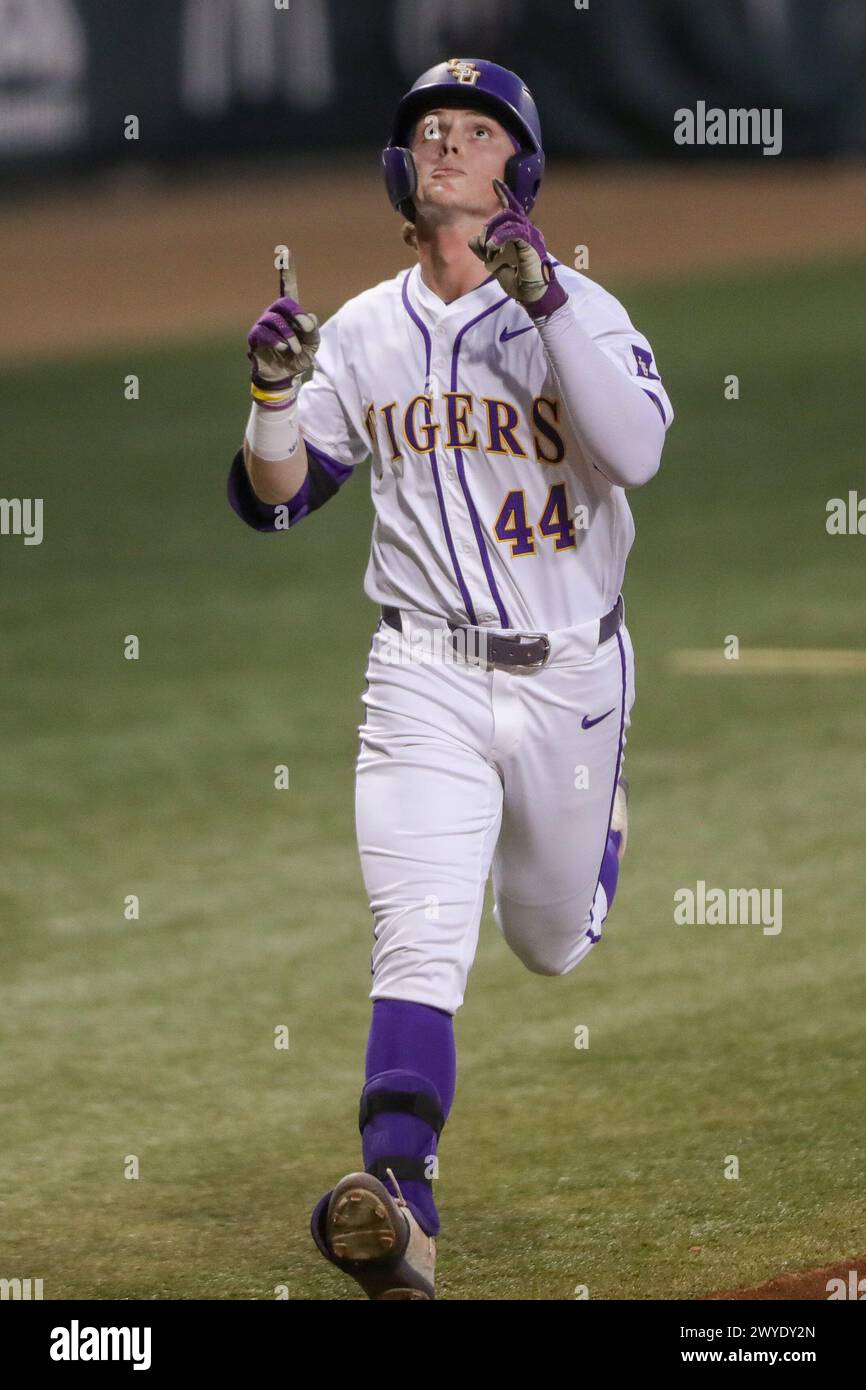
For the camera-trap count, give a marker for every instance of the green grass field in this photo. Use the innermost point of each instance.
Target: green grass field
(154, 1038)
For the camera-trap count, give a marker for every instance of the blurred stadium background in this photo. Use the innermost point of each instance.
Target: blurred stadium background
(151, 256)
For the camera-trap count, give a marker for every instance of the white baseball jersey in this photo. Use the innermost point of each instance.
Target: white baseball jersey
(486, 510)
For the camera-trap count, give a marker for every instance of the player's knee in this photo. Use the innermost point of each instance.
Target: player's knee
(405, 975)
(536, 951)
(546, 962)
(546, 941)
(548, 958)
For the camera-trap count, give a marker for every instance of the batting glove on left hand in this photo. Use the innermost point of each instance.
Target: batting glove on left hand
(513, 249)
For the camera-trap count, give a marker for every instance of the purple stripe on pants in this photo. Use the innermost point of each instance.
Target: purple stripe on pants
(607, 839)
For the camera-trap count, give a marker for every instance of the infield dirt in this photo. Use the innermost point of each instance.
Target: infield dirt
(141, 257)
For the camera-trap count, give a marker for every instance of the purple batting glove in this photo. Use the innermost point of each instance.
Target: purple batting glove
(537, 274)
(282, 344)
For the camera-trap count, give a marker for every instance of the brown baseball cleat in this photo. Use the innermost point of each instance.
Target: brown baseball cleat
(376, 1239)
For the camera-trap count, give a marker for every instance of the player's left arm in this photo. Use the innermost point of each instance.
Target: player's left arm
(620, 429)
(618, 407)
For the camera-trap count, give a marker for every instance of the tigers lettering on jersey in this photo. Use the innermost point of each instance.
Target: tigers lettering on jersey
(491, 426)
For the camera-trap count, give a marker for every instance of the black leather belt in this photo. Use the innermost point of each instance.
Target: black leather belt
(524, 649)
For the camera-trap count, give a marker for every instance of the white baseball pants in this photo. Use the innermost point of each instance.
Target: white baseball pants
(461, 770)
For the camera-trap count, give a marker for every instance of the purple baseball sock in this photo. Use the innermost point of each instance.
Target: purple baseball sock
(410, 1050)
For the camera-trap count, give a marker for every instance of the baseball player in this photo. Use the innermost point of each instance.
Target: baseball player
(506, 403)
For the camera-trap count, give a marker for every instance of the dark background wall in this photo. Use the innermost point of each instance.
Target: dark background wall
(208, 76)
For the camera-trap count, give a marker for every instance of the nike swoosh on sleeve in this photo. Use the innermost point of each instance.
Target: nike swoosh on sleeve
(514, 332)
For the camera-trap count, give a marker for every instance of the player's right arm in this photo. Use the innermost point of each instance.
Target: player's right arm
(282, 346)
(300, 444)
(274, 481)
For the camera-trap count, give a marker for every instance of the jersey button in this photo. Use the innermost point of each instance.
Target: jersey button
(486, 617)
(466, 548)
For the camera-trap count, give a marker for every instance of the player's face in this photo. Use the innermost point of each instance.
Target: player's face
(457, 155)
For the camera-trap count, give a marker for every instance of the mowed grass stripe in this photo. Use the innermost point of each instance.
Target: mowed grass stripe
(761, 661)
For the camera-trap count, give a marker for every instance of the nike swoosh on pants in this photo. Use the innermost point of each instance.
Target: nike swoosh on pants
(587, 723)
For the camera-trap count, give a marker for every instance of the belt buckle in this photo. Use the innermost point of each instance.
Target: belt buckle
(536, 637)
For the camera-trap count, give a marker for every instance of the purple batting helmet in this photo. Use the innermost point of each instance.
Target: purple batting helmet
(473, 83)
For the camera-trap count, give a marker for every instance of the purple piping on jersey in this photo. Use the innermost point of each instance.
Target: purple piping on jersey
(659, 407)
(589, 931)
(337, 470)
(458, 455)
(449, 540)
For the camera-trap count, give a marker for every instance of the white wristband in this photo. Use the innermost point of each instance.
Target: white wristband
(273, 435)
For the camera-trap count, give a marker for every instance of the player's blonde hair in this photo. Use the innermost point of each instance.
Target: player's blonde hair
(409, 235)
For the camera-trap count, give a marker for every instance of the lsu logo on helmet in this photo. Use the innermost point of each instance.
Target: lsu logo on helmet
(463, 71)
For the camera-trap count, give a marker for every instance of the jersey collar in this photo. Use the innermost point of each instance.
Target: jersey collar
(483, 295)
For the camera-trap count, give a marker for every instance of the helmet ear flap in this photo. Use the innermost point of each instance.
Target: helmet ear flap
(401, 179)
(523, 173)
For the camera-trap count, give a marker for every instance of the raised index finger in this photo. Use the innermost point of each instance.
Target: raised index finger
(506, 197)
(289, 279)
